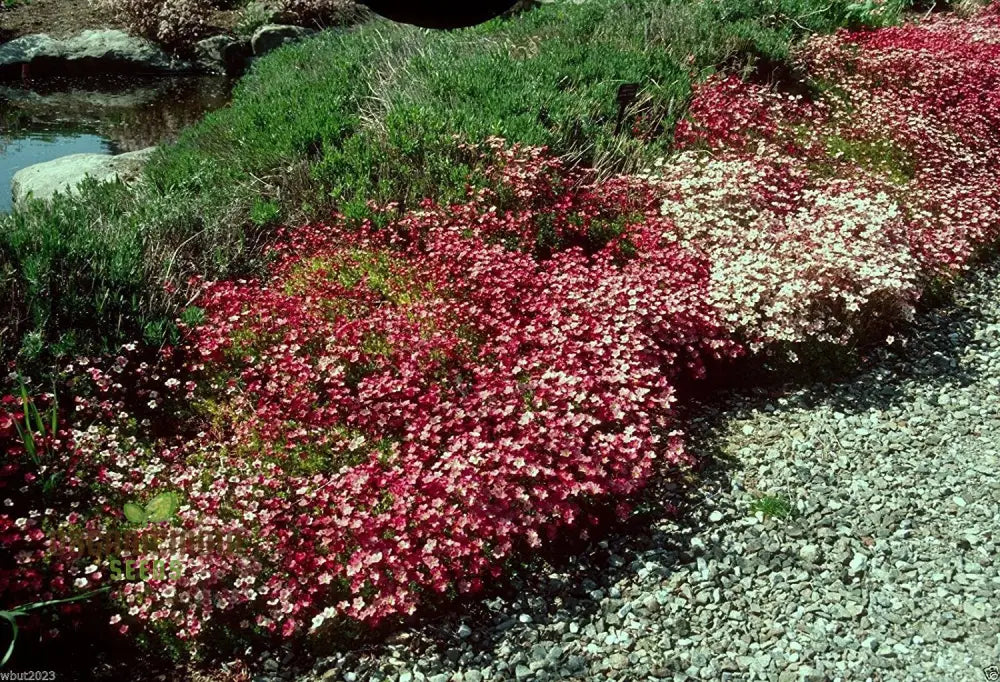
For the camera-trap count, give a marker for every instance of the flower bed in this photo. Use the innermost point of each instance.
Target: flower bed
(396, 411)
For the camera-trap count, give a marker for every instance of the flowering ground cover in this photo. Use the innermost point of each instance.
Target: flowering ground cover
(395, 411)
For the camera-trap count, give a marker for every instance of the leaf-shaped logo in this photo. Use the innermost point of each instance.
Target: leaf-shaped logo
(162, 507)
(134, 513)
(158, 509)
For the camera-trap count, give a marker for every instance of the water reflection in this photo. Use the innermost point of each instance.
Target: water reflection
(39, 147)
(43, 120)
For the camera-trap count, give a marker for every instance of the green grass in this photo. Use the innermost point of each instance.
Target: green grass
(368, 114)
(772, 506)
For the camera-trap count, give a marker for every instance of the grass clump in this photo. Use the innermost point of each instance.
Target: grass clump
(772, 507)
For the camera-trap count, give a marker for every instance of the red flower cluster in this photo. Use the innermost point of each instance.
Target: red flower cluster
(434, 395)
(933, 90)
(824, 219)
(25, 570)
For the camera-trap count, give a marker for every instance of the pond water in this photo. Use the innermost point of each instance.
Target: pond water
(43, 120)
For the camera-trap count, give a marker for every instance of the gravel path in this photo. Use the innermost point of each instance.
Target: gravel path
(886, 569)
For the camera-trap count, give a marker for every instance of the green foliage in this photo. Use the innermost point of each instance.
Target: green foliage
(34, 430)
(882, 157)
(315, 458)
(264, 212)
(193, 316)
(772, 506)
(873, 13)
(371, 114)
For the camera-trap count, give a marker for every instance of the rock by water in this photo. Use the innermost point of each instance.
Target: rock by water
(88, 51)
(225, 55)
(63, 175)
(273, 36)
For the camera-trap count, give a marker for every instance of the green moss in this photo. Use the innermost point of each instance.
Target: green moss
(881, 156)
(380, 271)
(315, 458)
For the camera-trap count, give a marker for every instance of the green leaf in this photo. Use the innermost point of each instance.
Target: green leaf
(22, 610)
(25, 400)
(162, 507)
(51, 482)
(135, 513)
(39, 422)
(28, 441)
(13, 639)
(55, 413)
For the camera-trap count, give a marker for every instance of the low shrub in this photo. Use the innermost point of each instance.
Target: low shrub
(171, 22)
(322, 13)
(116, 263)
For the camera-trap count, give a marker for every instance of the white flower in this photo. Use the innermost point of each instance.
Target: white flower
(318, 620)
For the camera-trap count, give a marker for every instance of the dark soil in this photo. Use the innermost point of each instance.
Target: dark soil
(58, 18)
(62, 18)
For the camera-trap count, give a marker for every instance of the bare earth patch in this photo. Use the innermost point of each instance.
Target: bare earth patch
(58, 18)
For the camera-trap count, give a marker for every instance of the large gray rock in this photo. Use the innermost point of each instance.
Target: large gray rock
(273, 36)
(268, 13)
(222, 54)
(89, 49)
(63, 175)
